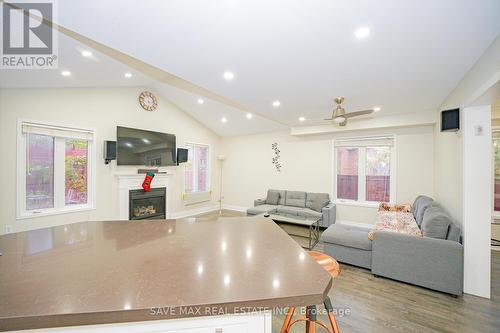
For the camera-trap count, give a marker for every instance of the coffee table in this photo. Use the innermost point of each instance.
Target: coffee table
(311, 223)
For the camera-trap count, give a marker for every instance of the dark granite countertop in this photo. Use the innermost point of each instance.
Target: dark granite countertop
(124, 271)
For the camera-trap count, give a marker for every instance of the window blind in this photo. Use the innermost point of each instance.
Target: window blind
(365, 142)
(56, 131)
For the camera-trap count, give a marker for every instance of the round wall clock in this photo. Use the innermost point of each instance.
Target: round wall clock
(148, 101)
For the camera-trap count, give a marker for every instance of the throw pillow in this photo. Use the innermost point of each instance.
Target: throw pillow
(272, 198)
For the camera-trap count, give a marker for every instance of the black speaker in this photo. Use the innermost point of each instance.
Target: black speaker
(182, 155)
(109, 151)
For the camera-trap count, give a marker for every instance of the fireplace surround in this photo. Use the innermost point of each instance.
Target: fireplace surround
(129, 181)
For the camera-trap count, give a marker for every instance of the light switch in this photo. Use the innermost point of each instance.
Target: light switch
(478, 130)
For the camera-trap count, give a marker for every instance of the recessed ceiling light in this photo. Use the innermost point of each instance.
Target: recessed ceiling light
(146, 140)
(362, 33)
(223, 119)
(128, 75)
(228, 75)
(65, 73)
(276, 104)
(249, 115)
(86, 53)
(377, 109)
(200, 101)
(302, 119)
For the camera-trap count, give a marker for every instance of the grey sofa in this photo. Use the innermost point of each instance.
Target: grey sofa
(298, 204)
(434, 261)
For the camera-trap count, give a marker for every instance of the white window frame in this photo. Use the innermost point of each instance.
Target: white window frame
(194, 168)
(362, 173)
(59, 173)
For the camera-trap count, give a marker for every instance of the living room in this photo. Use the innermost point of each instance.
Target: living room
(349, 122)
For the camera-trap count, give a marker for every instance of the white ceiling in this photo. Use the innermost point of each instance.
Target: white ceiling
(97, 70)
(302, 53)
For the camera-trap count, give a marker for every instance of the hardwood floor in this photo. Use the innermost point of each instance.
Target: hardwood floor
(382, 305)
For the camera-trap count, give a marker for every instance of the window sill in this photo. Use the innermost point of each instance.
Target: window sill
(357, 203)
(78, 209)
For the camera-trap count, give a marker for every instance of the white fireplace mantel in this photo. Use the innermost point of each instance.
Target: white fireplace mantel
(127, 182)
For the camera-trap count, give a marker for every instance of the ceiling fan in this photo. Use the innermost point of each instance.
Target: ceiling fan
(339, 116)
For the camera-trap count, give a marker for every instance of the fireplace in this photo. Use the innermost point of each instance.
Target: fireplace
(147, 205)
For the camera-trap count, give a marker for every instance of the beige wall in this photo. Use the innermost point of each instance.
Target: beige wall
(102, 109)
(307, 166)
(448, 146)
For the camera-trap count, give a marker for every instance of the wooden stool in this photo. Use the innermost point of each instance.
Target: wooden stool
(331, 266)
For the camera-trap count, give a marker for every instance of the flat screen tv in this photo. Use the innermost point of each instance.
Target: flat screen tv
(450, 120)
(144, 148)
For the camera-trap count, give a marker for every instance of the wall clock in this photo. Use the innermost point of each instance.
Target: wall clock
(148, 101)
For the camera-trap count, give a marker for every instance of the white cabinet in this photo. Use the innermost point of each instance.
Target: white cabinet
(247, 323)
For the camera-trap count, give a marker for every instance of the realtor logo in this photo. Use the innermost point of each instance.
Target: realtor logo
(28, 39)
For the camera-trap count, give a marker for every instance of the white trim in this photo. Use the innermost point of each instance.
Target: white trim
(207, 209)
(242, 209)
(344, 202)
(194, 211)
(59, 181)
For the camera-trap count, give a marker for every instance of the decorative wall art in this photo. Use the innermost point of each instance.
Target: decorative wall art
(276, 158)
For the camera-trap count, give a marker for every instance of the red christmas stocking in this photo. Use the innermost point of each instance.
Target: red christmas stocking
(146, 184)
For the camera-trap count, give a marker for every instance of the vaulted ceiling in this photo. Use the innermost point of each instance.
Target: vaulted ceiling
(301, 53)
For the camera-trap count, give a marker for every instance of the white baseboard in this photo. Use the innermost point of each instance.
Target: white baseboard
(194, 211)
(206, 209)
(235, 208)
(356, 224)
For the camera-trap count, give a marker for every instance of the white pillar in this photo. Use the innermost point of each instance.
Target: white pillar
(477, 199)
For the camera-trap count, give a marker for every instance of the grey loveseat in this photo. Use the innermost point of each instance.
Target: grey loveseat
(296, 203)
(434, 261)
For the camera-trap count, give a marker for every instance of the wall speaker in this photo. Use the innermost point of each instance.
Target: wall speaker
(182, 155)
(109, 151)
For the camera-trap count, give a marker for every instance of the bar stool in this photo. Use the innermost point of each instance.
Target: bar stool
(331, 266)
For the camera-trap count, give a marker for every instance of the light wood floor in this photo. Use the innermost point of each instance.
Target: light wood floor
(383, 305)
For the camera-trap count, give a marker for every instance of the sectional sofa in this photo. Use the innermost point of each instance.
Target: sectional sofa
(296, 203)
(433, 261)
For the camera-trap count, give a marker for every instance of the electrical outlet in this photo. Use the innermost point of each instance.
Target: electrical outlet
(8, 229)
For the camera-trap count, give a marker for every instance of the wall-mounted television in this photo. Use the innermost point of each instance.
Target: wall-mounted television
(450, 120)
(144, 148)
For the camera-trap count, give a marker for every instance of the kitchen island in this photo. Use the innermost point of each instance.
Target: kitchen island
(154, 276)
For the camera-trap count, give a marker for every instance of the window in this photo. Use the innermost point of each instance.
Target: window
(197, 172)
(56, 169)
(364, 170)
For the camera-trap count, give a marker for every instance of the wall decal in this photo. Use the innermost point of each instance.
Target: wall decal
(276, 158)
